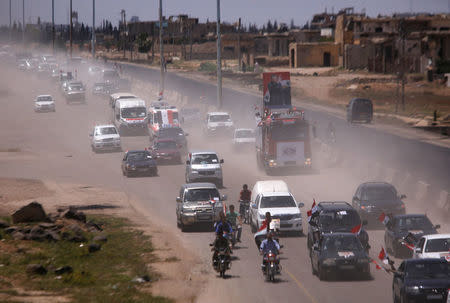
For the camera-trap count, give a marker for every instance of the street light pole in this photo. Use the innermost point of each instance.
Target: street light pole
(93, 30)
(219, 60)
(161, 49)
(70, 30)
(10, 28)
(53, 26)
(23, 21)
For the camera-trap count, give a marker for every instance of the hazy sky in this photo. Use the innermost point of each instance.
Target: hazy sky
(254, 11)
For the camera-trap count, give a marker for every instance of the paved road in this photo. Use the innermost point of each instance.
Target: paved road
(57, 148)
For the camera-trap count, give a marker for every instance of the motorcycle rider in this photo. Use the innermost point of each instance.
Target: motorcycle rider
(244, 199)
(219, 243)
(269, 244)
(223, 226)
(235, 220)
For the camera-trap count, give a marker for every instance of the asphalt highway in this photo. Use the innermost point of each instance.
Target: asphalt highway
(56, 147)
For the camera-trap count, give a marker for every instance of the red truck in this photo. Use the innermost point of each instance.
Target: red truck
(283, 135)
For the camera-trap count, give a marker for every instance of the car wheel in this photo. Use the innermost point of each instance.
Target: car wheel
(183, 227)
(314, 272)
(322, 274)
(127, 174)
(252, 226)
(220, 184)
(394, 297)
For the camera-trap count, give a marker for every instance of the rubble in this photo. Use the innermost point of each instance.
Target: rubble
(33, 212)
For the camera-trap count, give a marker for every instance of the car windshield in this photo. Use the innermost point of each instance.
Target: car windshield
(219, 118)
(411, 223)
(75, 87)
(139, 156)
(170, 132)
(339, 220)
(341, 243)
(44, 98)
(289, 132)
(377, 193)
(438, 245)
(134, 112)
(205, 159)
(428, 270)
(245, 133)
(201, 194)
(105, 131)
(277, 201)
(166, 145)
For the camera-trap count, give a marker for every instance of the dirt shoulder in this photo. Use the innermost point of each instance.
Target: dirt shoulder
(176, 267)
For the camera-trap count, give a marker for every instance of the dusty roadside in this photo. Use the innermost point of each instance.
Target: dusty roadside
(177, 268)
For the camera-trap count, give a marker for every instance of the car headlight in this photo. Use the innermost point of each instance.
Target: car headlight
(363, 261)
(308, 161)
(329, 262)
(412, 289)
(272, 163)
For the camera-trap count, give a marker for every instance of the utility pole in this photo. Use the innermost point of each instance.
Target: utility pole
(239, 44)
(402, 33)
(53, 26)
(93, 30)
(23, 21)
(219, 60)
(71, 29)
(124, 21)
(161, 50)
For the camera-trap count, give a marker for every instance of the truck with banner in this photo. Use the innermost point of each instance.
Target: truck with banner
(282, 134)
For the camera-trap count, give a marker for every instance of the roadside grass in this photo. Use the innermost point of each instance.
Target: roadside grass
(102, 276)
(9, 150)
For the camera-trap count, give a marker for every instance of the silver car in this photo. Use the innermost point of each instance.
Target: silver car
(204, 166)
(198, 203)
(105, 137)
(44, 103)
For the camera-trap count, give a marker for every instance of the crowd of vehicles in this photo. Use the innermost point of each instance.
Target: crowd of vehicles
(337, 239)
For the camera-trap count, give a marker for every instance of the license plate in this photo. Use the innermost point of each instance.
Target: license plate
(143, 169)
(204, 217)
(435, 297)
(347, 266)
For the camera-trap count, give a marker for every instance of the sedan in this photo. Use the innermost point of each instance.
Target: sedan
(339, 253)
(166, 150)
(398, 227)
(44, 103)
(421, 280)
(139, 162)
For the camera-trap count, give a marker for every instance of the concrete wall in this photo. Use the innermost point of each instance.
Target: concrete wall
(357, 56)
(312, 54)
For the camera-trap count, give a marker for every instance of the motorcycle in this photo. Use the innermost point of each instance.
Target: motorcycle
(272, 267)
(222, 262)
(244, 210)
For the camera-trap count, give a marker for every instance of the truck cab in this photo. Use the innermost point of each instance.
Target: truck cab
(130, 115)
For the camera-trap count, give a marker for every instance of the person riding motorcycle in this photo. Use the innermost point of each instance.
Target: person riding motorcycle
(244, 200)
(235, 220)
(219, 243)
(223, 226)
(269, 244)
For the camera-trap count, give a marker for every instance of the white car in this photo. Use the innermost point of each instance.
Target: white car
(105, 137)
(204, 166)
(281, 205)
(44, 103)
(244, 137)
(433, 246)
(218, 123)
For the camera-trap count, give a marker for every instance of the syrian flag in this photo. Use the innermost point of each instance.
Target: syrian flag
(357, 229)
(383, 218)
(313, 210)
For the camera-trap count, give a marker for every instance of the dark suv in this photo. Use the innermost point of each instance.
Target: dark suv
(371, 199)
(332, 217)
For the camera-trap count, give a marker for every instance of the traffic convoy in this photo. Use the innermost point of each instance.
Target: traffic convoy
(336, 231)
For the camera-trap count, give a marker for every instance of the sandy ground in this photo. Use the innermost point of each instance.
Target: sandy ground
(179, 268)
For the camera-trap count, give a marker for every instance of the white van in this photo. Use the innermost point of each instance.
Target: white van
(117, 96)
(274, 197)
(130, 115)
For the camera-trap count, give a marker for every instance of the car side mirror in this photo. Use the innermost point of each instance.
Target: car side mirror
(224, 197)
(188, 162)
(364, 222)
(417, 250)
(221, 161)
(178, 200)
(402, 196)
(355, 198)
(437, 226)
(254, 205)
(301, 205)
